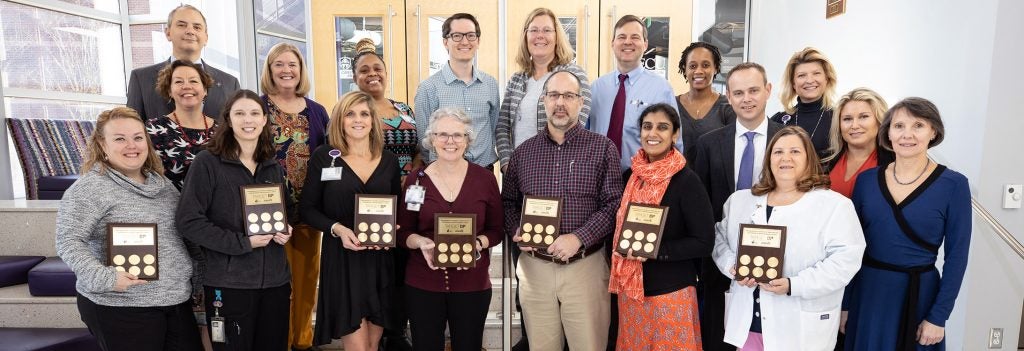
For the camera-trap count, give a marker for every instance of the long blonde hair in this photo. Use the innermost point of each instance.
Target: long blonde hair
(807, 55)
(336, 128)
(96, 156)
(836, 144)
(563, 50)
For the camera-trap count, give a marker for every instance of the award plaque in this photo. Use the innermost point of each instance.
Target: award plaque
(455, 239)
(761, 252)
(539, 224)
(642, 230)
(263, 209)
(375, 220)
(131, 247)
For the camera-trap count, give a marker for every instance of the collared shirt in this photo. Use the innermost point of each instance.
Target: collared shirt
(643, 89)
(581, 171)
(760, 144)
(478, 98)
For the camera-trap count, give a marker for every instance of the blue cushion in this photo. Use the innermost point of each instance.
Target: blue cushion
(61, 182)
(47, 339)
(52, 277)
(14, 269)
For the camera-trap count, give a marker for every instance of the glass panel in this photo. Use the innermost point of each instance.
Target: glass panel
(286, 17)
(656, 57)
(347, 32)
(54, 109)
(148, 44)
(221, 48)
(51, 51)
(102, 5)
(265, 42)
(438, 53)
(569, 24)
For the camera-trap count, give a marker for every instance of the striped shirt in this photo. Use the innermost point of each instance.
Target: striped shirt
(478, 98)
(583, 171)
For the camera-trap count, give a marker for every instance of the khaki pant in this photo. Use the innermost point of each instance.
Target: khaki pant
(572, 297)
(304, 258)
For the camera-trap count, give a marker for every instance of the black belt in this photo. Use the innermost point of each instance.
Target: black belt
(541, 254)
(907, 337)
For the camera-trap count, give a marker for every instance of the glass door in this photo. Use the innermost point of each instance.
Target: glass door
(668, 33)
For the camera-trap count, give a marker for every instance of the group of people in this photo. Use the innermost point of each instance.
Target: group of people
(866, 210)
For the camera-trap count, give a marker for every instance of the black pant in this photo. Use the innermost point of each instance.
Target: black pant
(464, 313)
(141, 328)
(254, 319)
(398, 309)
(713, 285)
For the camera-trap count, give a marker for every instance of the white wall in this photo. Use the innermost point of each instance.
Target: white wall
(964, 56)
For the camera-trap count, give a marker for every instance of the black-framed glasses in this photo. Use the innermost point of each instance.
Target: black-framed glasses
(456, 137)
(471, 36)
(569, 97)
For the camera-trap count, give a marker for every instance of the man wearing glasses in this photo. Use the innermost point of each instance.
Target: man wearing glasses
(460, 85)
(564, 289)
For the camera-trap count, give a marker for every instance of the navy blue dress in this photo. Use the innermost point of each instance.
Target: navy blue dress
(937, 212)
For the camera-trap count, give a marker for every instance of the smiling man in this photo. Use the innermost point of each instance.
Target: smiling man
(620, 96)
(460, 85)
(187, 32)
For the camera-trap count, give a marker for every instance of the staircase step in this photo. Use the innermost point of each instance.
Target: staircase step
(19, 309)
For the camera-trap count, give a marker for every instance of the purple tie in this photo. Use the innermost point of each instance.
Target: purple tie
(746, 177)
(618, 114)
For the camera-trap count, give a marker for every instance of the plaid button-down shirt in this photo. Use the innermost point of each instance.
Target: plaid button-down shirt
(583, 171)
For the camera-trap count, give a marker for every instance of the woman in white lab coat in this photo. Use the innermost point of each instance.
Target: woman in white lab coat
(799, 310)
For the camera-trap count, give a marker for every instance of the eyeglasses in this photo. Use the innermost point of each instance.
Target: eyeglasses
(569, 97)
(445, 137)
(458, 36)
(535, 31)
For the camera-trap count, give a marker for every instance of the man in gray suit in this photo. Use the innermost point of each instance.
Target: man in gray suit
(186, 30)
(728, 159)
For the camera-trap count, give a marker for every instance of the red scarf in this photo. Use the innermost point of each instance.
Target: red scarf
(647, 185)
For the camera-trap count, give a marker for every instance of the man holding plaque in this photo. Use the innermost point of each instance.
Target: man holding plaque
(564, 287)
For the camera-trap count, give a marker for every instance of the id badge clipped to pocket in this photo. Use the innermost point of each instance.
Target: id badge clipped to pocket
(414, 196)
(217, 329)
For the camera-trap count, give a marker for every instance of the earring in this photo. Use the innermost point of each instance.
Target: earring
(105, 158)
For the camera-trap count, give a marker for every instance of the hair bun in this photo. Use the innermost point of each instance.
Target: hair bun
(366, 45)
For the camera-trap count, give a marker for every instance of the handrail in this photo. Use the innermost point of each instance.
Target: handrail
(999, 228)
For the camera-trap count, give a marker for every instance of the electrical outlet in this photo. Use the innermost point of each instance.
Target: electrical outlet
(995, 338)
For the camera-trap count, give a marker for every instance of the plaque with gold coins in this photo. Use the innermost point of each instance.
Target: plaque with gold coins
(375, 220)
(539, 224)
(761, 252)
(263, 209)
(455, 240)
(642, 230)
(131, 247)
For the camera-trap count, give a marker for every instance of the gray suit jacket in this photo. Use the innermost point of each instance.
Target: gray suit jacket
(142, 95)
(714, 159)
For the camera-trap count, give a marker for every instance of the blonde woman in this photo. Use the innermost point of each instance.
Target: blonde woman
(808, 92)
(853, 140)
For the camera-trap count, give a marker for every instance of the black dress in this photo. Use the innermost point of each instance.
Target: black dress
(353, 284)
(720, 115)
(814, 118)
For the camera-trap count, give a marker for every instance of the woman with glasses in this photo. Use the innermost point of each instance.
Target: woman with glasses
(544, 49)
(439, 297)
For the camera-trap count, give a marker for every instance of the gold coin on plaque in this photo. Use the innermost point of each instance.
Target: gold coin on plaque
(651, 237)
(467, 258)
(387, 227)
(278, 215)
(527, 228)
(758, 272)
(253, 217)
(648, 248)
(455, 258)
(548, 239)
(743, 271)
(628, 234)
(771, 273)
(745, 259)
(637, 246)
(149, 259)
(134, 270)
(538, 228)
(134, 259)
(375, 227)
(773, 262)
(442, 258)
(638, 235)
(455, 247)
(254, 228)
(362, 237)
(375, 237)
(442, 247)
(550, 229)
(624, 244)
(363, 226)
(119, 269)
(279, 226)
(149, 270)
(526, 237)
(758, 260)
(118, 260)
(265, 216)
(537, 239)
(386, 238)
(267, 227)
(467, 247)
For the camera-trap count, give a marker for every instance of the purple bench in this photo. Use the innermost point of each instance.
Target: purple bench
(52, 277)
(14, 269)
(47, 339)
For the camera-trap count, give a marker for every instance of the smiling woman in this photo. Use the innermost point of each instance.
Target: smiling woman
(809, 81)
(179, 136)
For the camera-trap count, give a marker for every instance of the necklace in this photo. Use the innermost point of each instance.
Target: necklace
(815, 124)
(444, 181)
(915, 179)
(204, 134)
(693, 100)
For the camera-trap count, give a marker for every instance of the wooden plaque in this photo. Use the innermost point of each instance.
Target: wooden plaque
(263, 209)
(761, 252)
(375, 220)
(131, 247)
(455, 240)
(642, 230)
(539, 224)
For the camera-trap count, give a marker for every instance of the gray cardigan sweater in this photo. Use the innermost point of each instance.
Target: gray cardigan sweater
(98, 198)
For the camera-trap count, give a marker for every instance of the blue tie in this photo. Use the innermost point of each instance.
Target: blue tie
(746, 177)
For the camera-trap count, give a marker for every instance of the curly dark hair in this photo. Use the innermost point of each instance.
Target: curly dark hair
(715, 54)
(163, 78)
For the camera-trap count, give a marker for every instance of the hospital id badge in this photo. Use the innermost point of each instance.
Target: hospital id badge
(217, 329)
(414, 196)
(330, 173)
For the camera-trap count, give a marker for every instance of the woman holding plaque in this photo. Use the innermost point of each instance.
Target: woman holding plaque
(908, 209)
(853, 141)
(657, 296)
(795, 307)
(456, 297)
(808, 92)
(356, 280)
(247, 276)
(179, 136)
(122, 182)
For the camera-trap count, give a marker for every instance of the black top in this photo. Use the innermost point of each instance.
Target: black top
(720, 115)
(689, 235)
(815, 119)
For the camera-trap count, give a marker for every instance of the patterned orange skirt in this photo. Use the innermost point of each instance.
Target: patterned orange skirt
(664, 322)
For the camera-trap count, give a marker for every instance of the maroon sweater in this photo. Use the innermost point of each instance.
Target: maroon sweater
(479, 195)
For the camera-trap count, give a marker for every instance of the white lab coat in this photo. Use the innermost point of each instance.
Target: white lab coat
(824, 248)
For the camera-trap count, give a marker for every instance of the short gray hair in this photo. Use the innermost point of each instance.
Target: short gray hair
(458, 114)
